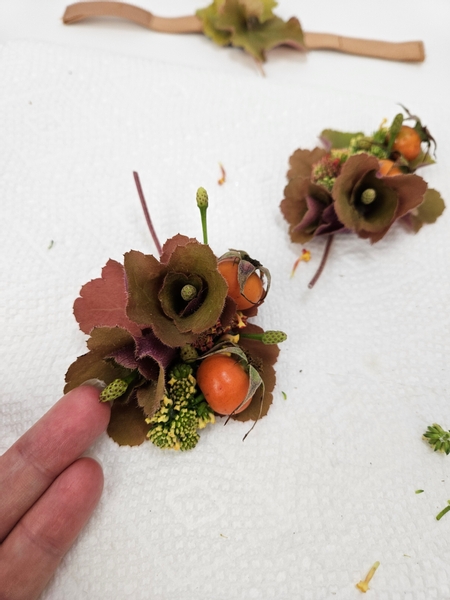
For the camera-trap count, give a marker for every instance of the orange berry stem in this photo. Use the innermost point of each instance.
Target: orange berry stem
(146, 213)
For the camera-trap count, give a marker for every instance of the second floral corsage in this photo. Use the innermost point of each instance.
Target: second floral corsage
(170, 337)
(361, 184)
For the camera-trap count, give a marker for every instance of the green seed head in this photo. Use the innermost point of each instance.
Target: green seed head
(202, 198)
(114, 390)
(273, 337)
(364, 143)
(188, 292)
(188, 353)
(368, 196)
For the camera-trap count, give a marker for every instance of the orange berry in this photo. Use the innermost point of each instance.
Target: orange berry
(407, 142)
(253, 288)
(224, 383)
(388, 168)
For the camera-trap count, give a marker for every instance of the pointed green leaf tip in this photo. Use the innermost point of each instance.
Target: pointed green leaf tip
(202, 198)
(273, 337)
(114, 390)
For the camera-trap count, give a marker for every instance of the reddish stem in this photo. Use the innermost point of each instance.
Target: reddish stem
(146, 213)
(322, 262)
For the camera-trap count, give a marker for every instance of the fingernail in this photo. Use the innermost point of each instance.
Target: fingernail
(97, 383)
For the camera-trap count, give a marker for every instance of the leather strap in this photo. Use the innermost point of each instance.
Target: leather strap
(401, 51)
(85, 10)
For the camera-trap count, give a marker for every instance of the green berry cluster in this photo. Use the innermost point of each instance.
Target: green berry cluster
(375, 145)
(325, 171)
(182, 413)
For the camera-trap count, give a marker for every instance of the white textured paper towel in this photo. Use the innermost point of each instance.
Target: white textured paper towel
(324, 486)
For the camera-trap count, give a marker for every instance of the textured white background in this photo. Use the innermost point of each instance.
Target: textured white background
(324, 485)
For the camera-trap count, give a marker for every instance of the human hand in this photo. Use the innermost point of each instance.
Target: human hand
(47, 492)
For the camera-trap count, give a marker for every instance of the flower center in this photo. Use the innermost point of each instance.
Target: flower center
(188, 292)
(368, 196)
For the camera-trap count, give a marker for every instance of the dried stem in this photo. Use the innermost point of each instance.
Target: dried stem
(322, 262)
(146, 213)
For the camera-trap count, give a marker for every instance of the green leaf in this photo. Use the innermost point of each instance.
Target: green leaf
(431, 208)
(394, 130)
(423, 159)
(208, 16)
(338, 139)
(251, 25)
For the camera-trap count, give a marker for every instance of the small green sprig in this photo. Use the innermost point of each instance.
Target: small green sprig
(437, 437)
(443, 512)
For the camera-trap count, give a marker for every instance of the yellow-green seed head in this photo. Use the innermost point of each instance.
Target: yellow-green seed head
(368, 196)
(114, 390)
(273, 337)
(188, 292)
(202, 198)
(188, 353)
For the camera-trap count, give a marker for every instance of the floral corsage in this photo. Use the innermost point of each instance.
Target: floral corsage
(171, 339)
(361, 184)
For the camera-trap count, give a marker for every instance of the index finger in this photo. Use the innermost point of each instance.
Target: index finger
(31, 464)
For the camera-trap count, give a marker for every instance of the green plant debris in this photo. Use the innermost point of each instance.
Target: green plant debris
(443, 512)
(438, 437)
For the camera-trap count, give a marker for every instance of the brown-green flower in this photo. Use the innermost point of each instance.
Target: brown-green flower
(369, 204)
(180, 296)
(309, 210)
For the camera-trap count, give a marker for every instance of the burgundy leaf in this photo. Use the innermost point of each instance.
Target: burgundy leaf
(102, 301)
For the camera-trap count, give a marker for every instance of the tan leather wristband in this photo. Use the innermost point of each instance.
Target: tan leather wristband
(401, 51)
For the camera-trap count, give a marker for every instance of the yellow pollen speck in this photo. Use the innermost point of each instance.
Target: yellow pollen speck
(240, 322)
(305, 256)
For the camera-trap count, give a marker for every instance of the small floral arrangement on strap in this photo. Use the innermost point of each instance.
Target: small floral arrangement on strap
(171, 339)
(247, 24)
(361, 184)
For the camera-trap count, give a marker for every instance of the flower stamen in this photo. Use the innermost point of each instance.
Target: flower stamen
(368, 196)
